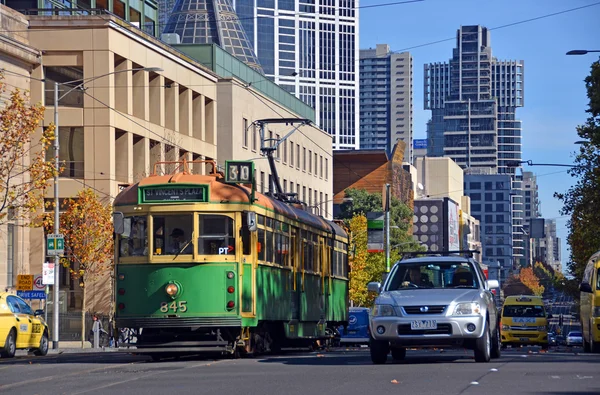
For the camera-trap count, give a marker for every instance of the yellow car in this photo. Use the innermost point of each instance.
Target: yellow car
(20, 328)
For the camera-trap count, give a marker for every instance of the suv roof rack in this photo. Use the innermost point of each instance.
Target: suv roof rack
(465, 253)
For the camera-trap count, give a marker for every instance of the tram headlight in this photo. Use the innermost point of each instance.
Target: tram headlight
(172, 289)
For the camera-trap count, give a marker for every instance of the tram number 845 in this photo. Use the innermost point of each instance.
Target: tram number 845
(174, 306)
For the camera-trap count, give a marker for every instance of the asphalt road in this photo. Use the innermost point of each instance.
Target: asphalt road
(341, 371)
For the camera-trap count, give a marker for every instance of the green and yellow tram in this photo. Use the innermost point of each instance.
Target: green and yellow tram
(207, 265)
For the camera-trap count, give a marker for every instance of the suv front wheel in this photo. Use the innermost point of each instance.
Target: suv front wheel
(379, 351)
(483, 345)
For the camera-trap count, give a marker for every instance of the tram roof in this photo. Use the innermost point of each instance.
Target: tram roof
(220, 192)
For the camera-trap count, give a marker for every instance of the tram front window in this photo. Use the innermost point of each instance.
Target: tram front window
(173, 234)
(134, 239)
(216, 235)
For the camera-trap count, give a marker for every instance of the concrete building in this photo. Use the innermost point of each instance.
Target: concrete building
(312, 52)
(386, 99)
(141, 14)
(473, 99)
(547, 248)
(17, 59)
(490, 196)
(440, 177)
(531, 209)
(305, 159)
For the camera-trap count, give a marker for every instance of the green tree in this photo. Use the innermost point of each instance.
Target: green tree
(582, 201)
(401, 215)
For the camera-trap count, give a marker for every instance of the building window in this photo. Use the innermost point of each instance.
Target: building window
(297, 156)
(321, 167)
(475, 185)
(326, 170)
(499, 218)
(245, 131)
(285, 151)
(62, 75)
(304, 159)
(277, 151)
(262, 182)
(254, 137)
(488, 186)
(291, 154)
(71, 141)
(309, 162)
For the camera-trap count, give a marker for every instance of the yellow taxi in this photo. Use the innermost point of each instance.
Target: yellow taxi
(20, 327)
(524, 321)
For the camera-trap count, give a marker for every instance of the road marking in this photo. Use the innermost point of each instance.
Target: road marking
(474, 383)
(584, 377)
(555, 377)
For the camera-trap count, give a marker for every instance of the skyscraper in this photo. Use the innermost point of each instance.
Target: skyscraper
(311, 51)
(473, 100)
(386, 107)
(165, 7)
(212, 22)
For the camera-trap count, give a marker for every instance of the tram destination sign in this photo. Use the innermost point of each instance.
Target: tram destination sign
(168, 193)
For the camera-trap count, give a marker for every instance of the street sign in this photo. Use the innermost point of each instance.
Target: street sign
(48, 273)
(24, 282)
(55, 245)
(32, 294)
(38, 284)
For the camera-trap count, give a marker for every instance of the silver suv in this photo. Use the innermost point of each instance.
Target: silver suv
(434, 301)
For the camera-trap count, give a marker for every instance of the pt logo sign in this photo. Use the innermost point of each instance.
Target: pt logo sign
(225, 250)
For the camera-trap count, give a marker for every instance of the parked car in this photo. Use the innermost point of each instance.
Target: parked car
(20, 327)
(574, 339)
(551, 339)
(435, 301)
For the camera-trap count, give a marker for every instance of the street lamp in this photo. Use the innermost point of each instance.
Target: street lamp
(81, 83)
(581, 51)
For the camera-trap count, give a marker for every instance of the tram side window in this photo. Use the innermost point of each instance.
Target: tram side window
(261, 244)
(134, 239)
(173, 234)
(345, 260)
(216, 235)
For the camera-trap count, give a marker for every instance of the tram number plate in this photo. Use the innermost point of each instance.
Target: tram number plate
(523, 339)
(423, 324)
(174, 306)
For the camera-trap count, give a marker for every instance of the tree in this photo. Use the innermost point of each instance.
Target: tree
(582, 201)
(359, 276)
(401, 215)
(87, 227)
(530, 280)
(24, 171)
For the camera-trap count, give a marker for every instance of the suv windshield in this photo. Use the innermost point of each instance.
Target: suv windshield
(428, 275)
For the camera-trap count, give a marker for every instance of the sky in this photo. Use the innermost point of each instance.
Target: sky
(555, 96)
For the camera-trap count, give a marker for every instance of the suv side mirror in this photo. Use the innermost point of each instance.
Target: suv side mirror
(38, 313)
(585, 287)
(491, 284)
(374, 287)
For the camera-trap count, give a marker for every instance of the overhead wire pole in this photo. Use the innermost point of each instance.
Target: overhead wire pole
(56, 286)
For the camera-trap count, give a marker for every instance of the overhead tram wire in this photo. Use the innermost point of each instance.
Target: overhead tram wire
(501, 26)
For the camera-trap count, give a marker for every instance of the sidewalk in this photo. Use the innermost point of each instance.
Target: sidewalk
(70, 347)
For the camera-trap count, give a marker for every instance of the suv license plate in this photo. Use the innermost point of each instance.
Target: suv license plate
(423, 324)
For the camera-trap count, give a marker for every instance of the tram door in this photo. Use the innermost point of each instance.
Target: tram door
(296, 275)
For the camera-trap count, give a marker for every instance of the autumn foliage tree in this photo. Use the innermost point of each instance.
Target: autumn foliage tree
(531, 281)
(87, 226)
(24, 171)
(359, 276)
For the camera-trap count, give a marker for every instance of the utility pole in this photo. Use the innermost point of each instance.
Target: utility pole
(386, 210)
(56, 286)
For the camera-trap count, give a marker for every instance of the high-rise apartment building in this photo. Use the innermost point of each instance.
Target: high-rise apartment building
(311, 51)
(386, 99)
(473, 99)
(531, 209)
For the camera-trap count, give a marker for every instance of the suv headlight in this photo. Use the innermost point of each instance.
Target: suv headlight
(470, 308)
(383, 310)
(505, 327)
(542, 328)
(596, 312)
